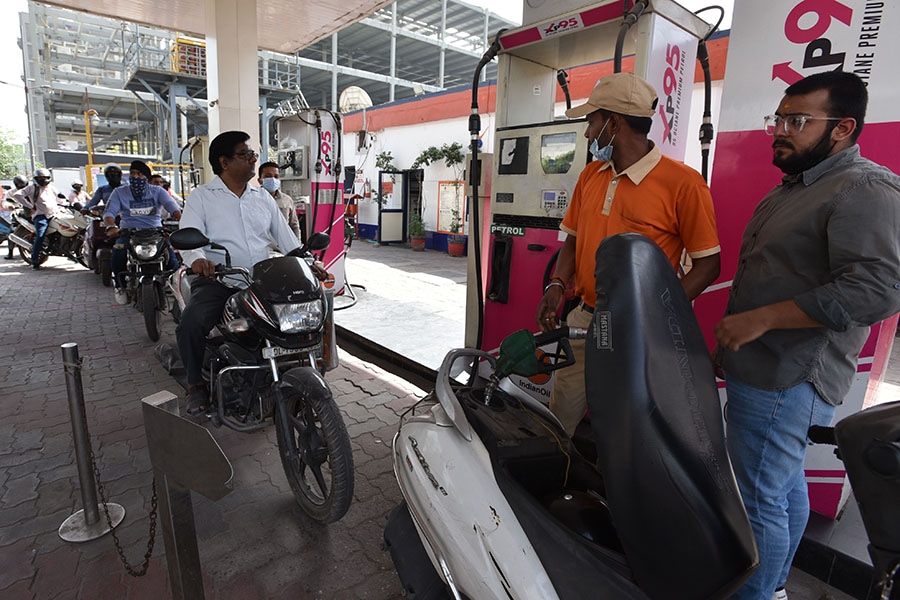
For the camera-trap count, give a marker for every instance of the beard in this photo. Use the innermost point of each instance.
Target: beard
(799, 162)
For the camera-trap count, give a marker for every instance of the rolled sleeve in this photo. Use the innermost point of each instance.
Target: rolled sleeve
(864, 257)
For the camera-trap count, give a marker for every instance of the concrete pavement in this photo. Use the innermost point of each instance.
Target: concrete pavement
(254, 543)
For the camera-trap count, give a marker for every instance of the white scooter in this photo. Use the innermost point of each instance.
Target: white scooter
(499, 504)
(64, 237)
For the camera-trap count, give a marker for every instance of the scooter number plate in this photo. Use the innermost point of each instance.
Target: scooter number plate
(276, 351)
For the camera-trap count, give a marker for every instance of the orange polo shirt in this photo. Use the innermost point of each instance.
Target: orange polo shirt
(658, 197)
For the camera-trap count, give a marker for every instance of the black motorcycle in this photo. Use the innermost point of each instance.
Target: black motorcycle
(145, 275)
(97, 249)
(276, 342)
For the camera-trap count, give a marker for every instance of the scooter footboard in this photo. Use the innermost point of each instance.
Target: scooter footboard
(656, 419)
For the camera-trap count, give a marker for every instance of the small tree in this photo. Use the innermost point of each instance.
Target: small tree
(452, 156)
(12, 156)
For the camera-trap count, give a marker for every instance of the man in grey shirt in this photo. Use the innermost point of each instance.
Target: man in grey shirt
(819, 263)
(270, 180)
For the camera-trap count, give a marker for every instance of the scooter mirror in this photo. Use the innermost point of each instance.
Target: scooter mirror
(188, 238)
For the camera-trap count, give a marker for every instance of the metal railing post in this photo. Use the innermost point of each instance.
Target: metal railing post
(85, 524)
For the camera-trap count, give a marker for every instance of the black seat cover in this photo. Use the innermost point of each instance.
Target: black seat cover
(656, 417)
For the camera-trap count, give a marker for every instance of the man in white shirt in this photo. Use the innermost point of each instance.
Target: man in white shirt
(77, 194)
(244, 218)
(40, 198)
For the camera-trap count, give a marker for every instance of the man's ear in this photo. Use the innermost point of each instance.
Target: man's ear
(843, 130)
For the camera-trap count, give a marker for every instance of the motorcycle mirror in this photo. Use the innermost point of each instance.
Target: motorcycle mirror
(318, 241)
(60, 196)
(78, 206)
(188, 238)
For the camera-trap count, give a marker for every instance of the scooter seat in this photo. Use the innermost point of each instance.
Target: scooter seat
(657, 422)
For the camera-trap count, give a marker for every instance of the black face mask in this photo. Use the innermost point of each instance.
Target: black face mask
(797, 163)
(114, 180)
(42, 181)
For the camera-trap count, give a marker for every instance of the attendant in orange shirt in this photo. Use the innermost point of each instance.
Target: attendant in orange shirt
(630, 187)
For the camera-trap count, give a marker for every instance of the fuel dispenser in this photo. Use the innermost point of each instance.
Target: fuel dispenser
(538, 154)
(309, 160)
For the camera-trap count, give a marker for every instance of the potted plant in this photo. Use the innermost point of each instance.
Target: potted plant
(416, 232)
(456, 242)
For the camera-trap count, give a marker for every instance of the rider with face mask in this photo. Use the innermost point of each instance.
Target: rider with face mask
(630, 187)
(138, 206)
(113, 174)
(7, 204)
(40, 197)
(270, 180)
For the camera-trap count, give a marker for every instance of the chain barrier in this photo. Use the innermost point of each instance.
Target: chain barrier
(131, 570)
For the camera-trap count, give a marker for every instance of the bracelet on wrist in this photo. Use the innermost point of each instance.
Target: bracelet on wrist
(556, 282)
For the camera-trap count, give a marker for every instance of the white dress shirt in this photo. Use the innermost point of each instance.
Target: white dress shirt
(245, 225)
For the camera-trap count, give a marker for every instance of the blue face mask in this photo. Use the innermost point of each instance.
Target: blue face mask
(604, 153)
(271, 184)
(138, 186)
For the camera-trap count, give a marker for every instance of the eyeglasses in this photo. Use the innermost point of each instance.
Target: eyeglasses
(247, 154)
(792, 123)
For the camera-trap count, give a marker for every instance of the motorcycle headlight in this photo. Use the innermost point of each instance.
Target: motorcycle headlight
(144, 251)
(300, 317)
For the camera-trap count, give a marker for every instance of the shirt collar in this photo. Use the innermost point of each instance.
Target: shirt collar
(641, 168)
(248, 187)
(812, 174)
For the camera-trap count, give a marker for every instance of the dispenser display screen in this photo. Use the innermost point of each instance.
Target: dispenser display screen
(558, 152)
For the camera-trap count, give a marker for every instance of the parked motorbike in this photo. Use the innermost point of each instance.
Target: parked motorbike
(97, 248)
(498, 501)
(65, 235)
(146, 274)
(276, 342)
(868, 442)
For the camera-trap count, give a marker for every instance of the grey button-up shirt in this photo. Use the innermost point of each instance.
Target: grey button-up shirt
(828, 238)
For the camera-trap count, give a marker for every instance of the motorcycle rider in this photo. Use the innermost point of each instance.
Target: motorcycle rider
(139, 207)
(7, 204)
(40, 198)
(113, 174)
(230, 211)
(77, 194)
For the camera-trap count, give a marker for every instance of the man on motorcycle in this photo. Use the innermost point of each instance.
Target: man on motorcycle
(7, 204)
(113, 174)
(78, 194)
(40, 198)
(230, 211)
(139, 206)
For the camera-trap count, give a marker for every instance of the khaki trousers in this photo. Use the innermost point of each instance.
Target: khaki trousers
(568, 400)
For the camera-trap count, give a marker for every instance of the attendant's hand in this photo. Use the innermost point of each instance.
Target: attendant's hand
(548, 307)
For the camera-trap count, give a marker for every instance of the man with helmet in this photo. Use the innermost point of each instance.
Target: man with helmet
(139, 206)
(40, 197)
(7, 204)
(77, 194)
(113, 174)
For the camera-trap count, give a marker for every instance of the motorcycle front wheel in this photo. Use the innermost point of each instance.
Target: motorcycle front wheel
(314, 446)
(152, 313)
(106, 271)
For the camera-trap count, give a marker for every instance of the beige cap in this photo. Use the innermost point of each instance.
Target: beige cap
(622, 93)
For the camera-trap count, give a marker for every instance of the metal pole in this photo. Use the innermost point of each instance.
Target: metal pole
(74, 391)
(84, 525)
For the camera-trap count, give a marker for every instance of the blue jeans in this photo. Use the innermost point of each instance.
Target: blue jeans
(41, 222)
(767, 441)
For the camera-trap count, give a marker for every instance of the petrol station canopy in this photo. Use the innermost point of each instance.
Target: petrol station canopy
(282, 25)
